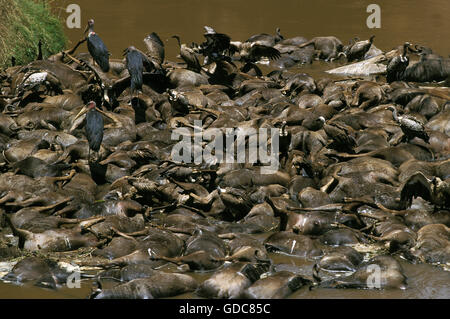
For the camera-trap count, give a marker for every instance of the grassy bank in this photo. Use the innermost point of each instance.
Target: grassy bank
(23, 23)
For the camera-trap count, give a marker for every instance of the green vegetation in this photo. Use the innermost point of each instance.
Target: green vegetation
(23, 23)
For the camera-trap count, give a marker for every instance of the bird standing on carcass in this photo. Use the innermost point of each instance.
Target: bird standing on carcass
(97, 47)
(135, 65)
(94, 126)
(410, 126)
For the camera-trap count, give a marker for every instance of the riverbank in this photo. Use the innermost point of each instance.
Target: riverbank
(23, 24)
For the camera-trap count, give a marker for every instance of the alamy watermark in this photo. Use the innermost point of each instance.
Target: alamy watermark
(73, 21)
(374, 19)
(374, 279)
(74, 279)
(229, 145)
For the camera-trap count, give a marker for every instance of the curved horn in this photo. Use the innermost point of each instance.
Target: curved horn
(30, 125)
(341, 54)
(417, 48)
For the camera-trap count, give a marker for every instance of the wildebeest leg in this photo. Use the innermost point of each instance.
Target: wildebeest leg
(339, 225)
(397, 138)
(9, 196)
(248, 66)
(71, 51)
(365, 104)
(364, 200)
(86, 64)
(325, 187)
(138, 233)
(21, 233)
(150, 210)
(380, 219)
(328, 208)
(123, 234)
(26, 203)
(205, 200)
(368, 227)
(44, 208)
(63, 178)
(229, 236)
(90, 222)
(47, 125)
(195, 210)
(65, 210)
(391, 211)
(60, 56)
(112, 117)
(214, 113)
(174, 260)
(173, 229)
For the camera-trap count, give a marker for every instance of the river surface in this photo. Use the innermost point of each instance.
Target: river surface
(124, 23)
(424, 282)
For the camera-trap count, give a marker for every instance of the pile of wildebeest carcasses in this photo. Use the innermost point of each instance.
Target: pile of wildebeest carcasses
(362, 176)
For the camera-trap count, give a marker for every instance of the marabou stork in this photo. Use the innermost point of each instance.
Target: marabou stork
(135, 65)
(94, 126)
(410, 126)
(97, 47)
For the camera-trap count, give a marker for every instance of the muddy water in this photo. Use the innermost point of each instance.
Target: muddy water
(123, 23)
(424, 281)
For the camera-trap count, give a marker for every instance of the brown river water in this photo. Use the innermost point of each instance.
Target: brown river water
(124, 23)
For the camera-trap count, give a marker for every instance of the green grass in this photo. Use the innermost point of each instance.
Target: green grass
(23, 23)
